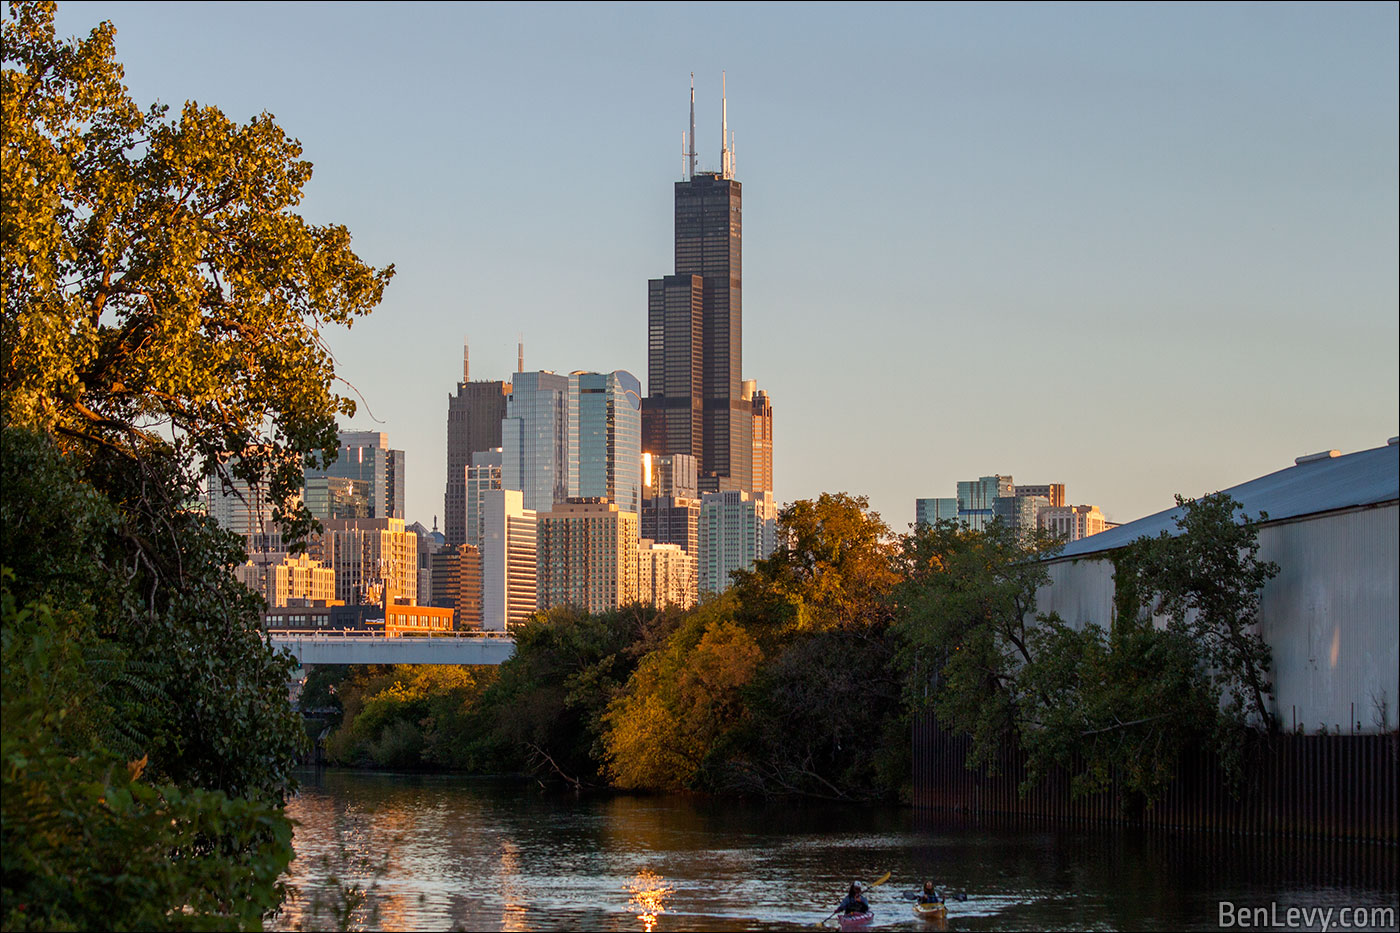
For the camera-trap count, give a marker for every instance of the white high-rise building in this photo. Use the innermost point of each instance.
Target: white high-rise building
(508, 555)
(736, 529)
(666, 575)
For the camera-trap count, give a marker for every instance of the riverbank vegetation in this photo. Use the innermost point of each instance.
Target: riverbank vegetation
(163, 307)
(804, 678)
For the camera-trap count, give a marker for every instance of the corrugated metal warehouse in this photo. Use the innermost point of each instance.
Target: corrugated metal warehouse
(1331, 616)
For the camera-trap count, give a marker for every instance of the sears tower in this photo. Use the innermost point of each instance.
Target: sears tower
(696, 404)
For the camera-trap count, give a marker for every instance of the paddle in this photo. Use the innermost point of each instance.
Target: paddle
(874, 884)
(947, 895)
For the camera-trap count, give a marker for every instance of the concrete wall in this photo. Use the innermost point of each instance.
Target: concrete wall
(1331, 616)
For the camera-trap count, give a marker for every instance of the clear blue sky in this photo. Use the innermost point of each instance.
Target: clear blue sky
(1137, 249)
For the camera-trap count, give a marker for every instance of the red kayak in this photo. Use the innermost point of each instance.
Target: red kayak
(856, 921)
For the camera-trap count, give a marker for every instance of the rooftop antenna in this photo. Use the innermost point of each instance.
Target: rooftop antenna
(520, 355)
(724, 169)
(466, 368)
(690, 155)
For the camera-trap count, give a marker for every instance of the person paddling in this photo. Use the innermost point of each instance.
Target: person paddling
(854, 902)
(929, 894)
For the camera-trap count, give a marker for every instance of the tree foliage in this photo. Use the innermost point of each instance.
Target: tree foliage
(832, 569)
(826, 721)
(1206, 579)
(681, 701)
(409, 717)
(966, 617)
(161, 315)
(89, 840)
(1126, 703)
(544, 713)
(153, 274)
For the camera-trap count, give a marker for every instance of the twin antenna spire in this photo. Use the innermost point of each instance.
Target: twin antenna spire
(726, 151)
(466, 358)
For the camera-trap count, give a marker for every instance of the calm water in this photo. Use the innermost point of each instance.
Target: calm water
(439, 853)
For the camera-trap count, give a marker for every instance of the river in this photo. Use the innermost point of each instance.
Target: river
(444, 852)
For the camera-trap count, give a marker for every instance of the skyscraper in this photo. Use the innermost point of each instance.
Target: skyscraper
(535, 439)
(695, 330)
(587, 555)
(736, 529)
(483, 474)
(473, 423)
(605, 438)
(508, 574)
(375, 470)
(762, 437)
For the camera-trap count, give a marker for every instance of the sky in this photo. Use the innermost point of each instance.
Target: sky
(1135, 249)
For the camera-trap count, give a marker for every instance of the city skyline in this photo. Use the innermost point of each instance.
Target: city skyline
(1140, 250)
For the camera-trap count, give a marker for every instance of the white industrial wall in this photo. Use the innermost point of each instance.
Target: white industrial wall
(1331, 616)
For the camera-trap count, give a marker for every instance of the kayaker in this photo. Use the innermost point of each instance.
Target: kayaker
(929, 895)
(854, 902)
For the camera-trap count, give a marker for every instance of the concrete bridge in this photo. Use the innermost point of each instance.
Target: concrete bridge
(365, 648)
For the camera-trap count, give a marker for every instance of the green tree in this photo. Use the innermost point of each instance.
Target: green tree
(826, 721)
(681, 702)
(1206, 579)
(408, 716)
(544, 712)
(966, 614)
(832, 569)
(154, 276)
(1123, 703)
(162, 308)
(88, 840)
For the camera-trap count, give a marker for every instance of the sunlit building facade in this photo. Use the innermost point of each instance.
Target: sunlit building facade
(604, 454)
(508, 560)
(587, 555)
(666, 575)
(1073, 522)
(378, 471)
(375, 559)
(535, 439)
(736, 529)
(282, 579)
(762, 436)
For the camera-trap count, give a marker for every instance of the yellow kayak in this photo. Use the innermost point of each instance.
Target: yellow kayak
(931, 911)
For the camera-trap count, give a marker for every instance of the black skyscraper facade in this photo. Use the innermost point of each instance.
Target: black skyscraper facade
(695, 334)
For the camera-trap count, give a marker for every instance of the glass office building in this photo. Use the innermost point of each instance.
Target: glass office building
(535, 439)
(364, 457)
(605, 438)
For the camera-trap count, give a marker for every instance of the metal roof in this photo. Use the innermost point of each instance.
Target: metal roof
(1366, 477)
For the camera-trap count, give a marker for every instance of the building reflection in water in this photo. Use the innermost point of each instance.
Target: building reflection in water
(649, 893)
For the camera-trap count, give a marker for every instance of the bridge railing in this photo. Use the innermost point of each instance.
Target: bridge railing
(362, 633)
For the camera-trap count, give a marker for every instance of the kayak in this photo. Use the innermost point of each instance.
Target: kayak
(931, 911)
(856, 921)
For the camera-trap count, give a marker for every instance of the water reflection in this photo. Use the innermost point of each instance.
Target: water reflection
(423, 852)
(649, 893)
